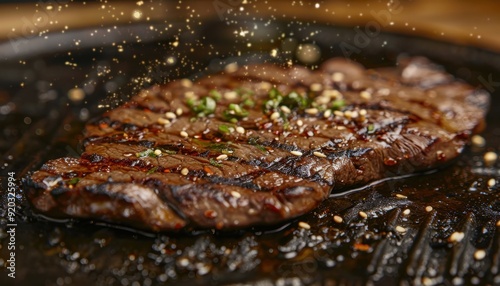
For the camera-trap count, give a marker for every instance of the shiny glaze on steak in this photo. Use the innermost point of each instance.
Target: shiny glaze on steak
(262, 168)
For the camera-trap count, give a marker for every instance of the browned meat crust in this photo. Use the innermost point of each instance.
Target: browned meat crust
(269, 163)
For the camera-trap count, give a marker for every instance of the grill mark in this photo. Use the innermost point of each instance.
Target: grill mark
(244, 181)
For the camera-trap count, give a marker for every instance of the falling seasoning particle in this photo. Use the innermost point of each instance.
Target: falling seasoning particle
(428, 208)
(304, 225)
(319, 154)
(221, 157)
(406, 212)
(184, 134)
(400, 196)
(296, 153)
(157, 152)
(490, 158)
(456, 236)
(400, 229)
(185, 171)
(338, 219)
(363, 214)
(492, 183)
(498, 223)
(479, 254)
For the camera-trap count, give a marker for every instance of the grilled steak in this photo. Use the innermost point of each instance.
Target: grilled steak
(258, 145)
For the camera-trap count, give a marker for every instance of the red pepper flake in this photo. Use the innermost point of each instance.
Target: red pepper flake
(390, 161)
(208, 170)
(362, 247)
(219, 225)
(103, 125)
(210, 214)
(166, 171)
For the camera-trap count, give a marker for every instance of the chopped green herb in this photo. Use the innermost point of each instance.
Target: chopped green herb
(215, 95)
(370, 128)
(224, 129)
(152, 170)
(169, 152)
(146, 153)
(73, 181)
(202, 107)
(244, 92)
(213, 162)
(255, 142)
(338, 104)
(234, 112)
(248, 102)
(292, 100)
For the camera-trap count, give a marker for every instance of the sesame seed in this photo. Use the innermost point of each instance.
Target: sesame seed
(337, 76)
(296, 153)
(322, 100)
(235, 194)
(157, 152)
(170, 115)
(240, 130)
(348, 114)
(230, 95)
(316, 86)
(338, 219)
(190, 95)
(186, 82)
(478, 141)
(221, 157)
(340, 127)
(362, 112)
(456, 237)
(490, 158)
(354, 114)
(400, 196)
(400, 229)
(480, 254)
(327, 113)
(319, 154)
(185, 171)
(178, 111)
(285, 109)
(406, 212)
(363, 214)
(275, 115)
(338, 113)
(184, 134)
(312, 111)
(304, 225)
(428, 208)
(163, 121)
(365, 95)
(300, 123)
(491, 183)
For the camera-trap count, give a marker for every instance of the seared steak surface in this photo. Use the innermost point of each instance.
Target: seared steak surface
(258, 145)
